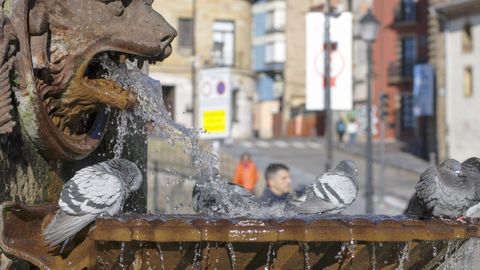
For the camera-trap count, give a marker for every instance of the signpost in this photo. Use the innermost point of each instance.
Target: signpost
(214, 103)
(340, 61)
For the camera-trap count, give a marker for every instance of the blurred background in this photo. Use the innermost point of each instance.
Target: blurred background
(255, 75)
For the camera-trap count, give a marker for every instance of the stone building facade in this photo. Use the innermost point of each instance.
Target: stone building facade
(268, 56)
(212, 33)
(458, 72)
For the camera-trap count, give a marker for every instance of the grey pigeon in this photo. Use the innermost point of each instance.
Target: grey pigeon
(331, 192)
(222, 198)
(94, 191)
(471, 170)
(442, 192)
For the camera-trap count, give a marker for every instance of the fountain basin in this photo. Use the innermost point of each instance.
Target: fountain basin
(181, 241)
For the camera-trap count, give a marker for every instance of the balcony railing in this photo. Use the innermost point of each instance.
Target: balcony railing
(400, 71)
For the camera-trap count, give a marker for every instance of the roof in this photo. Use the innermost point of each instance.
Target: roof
(459, 8)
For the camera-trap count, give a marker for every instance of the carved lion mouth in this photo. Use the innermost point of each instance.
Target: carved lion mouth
(90, 91)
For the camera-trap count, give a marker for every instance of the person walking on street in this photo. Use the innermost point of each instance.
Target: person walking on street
(278, 187)
(340, 126)
(246, 173)
(352, 130)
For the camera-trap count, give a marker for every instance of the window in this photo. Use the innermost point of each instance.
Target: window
(276, 20)
(467, 39)
(468, 82)
(275, 52)
(185, 31)
(223, 43)
(408, 119)
(408, 11)
(409, 55)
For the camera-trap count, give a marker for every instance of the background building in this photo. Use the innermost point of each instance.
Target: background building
(460, 21)
(401, 44)
(268, 55)
(211, 34)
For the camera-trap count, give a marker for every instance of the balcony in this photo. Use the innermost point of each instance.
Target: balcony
(400, 71)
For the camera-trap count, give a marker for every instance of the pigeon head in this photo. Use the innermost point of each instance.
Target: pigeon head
(128, 172)
(451, 166)
(348, 167)
(472, 164)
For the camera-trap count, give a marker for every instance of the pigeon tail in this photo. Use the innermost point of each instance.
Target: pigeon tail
(63, 226)
(414, 208)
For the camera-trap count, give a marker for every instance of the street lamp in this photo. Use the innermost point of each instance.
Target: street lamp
(369, 26)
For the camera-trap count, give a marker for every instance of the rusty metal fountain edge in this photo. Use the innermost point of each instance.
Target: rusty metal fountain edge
(21, 226)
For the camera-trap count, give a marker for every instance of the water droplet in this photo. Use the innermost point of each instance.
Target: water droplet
(160, 253)
(306, 256)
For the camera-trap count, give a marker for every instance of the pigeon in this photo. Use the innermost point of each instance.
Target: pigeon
(222, 198)
(97, 190)
(331, 192)
(442, 192)
(471, 170)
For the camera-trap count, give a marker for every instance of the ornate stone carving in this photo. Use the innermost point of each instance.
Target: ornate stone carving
(60, 90)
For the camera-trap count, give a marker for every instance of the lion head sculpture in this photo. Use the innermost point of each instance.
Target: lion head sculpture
(62, 94)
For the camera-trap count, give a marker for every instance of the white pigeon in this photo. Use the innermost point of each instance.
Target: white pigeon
(94, 191)
(331, 192)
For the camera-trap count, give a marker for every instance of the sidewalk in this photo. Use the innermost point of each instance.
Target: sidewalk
(394, 156)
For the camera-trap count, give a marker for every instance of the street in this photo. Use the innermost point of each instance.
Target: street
(306, 158)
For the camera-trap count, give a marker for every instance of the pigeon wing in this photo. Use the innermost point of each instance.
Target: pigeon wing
(315, 200)
(92, 191)
(427, 189)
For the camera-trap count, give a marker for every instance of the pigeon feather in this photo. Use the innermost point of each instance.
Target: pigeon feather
(97, 190)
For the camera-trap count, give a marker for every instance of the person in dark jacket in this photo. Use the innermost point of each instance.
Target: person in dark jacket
(341, 127)
(279, 186)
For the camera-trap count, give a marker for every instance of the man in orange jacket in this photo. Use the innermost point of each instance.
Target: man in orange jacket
(246, 172)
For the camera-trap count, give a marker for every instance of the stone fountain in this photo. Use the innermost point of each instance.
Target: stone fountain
(56, 110)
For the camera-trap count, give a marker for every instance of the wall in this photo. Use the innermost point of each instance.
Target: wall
(177, 69)
(462, 112)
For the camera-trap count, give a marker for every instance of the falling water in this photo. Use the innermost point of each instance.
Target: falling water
(122, 128)
(453, 256)
(435, 250)
(341, 253)
(207, 254)
(231, 252)
(197, 255)
(448, 253)
(306, 257)
(149, 265)
(351, 248)
(470, 252)
(121, 259)
(404, 255)
(160, 253)
(152, 110)
(267, 265)
(217, 259)
(374, 257)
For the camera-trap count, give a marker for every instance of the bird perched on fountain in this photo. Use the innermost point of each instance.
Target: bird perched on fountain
(94, 191)
(221, 198)
(442, 192)
(331, 192)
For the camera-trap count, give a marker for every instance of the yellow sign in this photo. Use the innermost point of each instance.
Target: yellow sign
(214, 121)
